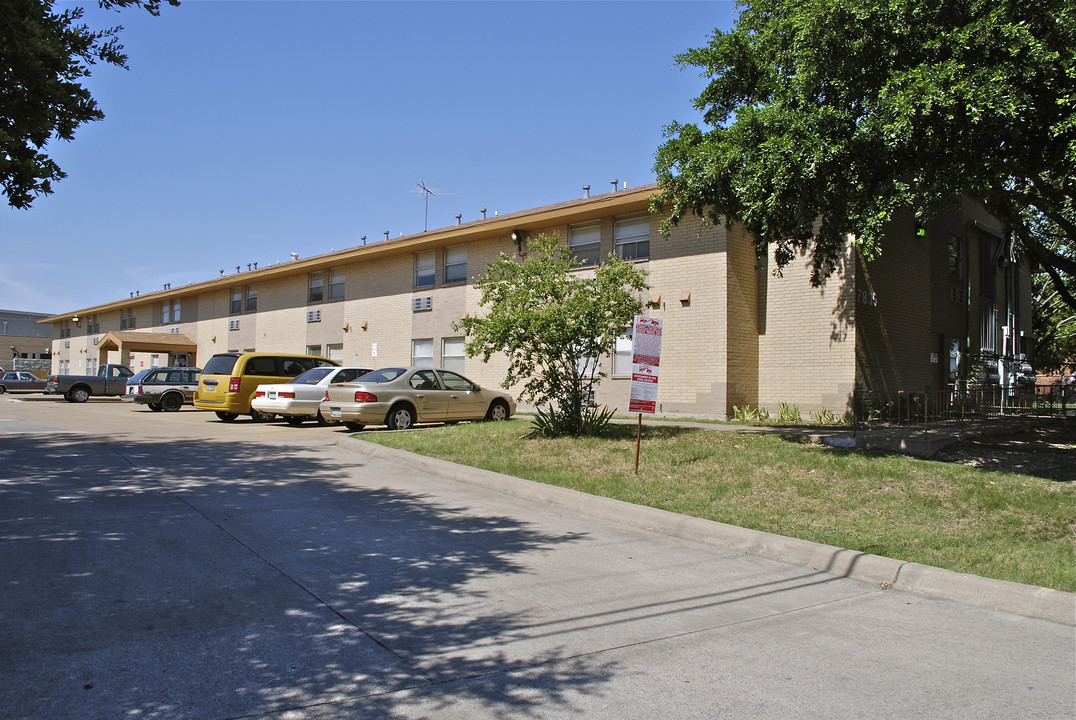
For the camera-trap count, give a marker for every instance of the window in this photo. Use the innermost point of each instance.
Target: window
(313, 350)
(622, 355)
(252, 299)
(335, 351)
(336, 284)
(316, 291)
(175, 311)
(456, 264)
(587, 366)
(166, 313)
(127, 320)
(631, 235)
(236, 305)
(452, 354)
(584, 240)
(422, 353)
(131, 319)
(956, 258)
(425, 268)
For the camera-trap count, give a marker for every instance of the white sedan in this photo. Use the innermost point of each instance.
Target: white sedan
(298, 400)
(401, 397)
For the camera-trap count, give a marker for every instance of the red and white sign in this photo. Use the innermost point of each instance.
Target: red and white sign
(645, 364)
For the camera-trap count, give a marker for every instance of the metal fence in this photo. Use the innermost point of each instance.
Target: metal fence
(959, 403)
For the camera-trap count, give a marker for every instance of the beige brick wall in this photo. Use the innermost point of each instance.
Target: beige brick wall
(806, 338)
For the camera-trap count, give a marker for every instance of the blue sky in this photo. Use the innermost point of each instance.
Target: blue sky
(245, 131)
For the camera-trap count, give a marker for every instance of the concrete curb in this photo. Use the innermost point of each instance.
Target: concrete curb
(1026, 600)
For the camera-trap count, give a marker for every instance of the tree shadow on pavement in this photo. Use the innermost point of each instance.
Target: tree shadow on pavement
(213, 579)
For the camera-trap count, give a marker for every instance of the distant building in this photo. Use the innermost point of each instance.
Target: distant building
(27, 344)
(944, 303)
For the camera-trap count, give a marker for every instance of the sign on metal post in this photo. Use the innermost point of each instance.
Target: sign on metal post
(645, 368)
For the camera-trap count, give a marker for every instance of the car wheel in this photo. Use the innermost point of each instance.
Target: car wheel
(78, 394)
(294, 420)
(354, 426)
(154, 407)
(2, 389)
(172, 402)
(498, 410)
(226, 416)
(322, 420)
(401, 417)
(259, 416)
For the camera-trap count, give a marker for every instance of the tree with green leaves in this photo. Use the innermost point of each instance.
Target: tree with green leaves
(825, 118)
(44, 54)
(1053, 322)
(553, 324)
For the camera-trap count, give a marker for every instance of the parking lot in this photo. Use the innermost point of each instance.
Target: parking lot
(169, 565)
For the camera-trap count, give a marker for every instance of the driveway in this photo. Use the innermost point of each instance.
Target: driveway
(167, 565)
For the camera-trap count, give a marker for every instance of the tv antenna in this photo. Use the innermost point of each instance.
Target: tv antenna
(427, 192)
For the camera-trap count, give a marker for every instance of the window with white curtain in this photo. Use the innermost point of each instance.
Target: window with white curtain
(336, 284)
(585, 242)
(631, 235)
(453, 354)
(422, 353)
(425, 268)
(622, 355)
(456, 264)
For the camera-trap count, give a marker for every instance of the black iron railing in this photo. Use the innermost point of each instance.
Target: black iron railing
(960, 403)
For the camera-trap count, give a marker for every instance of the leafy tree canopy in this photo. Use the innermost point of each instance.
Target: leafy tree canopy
(44, 54)
(823, 118)
(552, 323)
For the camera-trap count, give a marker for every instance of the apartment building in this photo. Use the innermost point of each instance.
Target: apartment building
(941, 302)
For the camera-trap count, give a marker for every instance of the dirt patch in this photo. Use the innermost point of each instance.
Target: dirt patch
(1047, 452)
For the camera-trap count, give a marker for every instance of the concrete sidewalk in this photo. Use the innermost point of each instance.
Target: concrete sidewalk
(1027, 600)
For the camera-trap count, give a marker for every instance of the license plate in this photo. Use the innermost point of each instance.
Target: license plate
(272, 396)
(335, 412)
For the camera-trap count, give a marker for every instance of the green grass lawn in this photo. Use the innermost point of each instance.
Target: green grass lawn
(1000, 525)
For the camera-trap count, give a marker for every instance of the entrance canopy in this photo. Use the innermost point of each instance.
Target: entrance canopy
(129, 341)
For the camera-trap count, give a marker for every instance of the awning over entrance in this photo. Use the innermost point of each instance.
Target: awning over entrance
(129, 341)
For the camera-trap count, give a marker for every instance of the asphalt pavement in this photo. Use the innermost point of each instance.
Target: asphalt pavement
(167, 565)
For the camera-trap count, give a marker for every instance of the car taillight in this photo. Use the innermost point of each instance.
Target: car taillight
(233, 384)
(363, 396)
(259, 393)
(286, 395)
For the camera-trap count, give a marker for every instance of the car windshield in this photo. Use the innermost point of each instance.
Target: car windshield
(312, 377)
(220, 365)
(383, 375)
